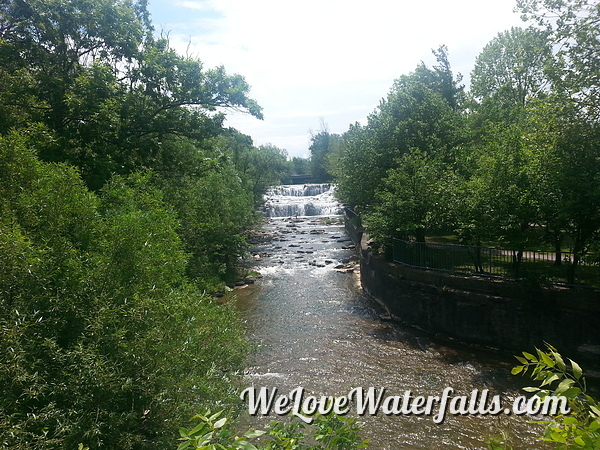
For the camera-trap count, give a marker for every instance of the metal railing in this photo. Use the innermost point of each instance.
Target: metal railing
(535, 265)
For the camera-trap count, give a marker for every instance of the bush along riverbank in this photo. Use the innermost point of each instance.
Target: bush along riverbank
(105, 339)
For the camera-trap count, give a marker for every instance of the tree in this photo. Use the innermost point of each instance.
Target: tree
(411, 200)
(567, 169)
(355, 182)
(268, 167)
(260, 167)
(118, 212)
(573, 27)
(300, 166)
(496, 199)
(113, 99)
(324, 149)
(571, 116)
(510, 71)
(109, 91)
(319, 149)
(421, 112)
(54, 42)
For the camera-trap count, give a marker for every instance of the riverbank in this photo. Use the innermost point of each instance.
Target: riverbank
(505, 314)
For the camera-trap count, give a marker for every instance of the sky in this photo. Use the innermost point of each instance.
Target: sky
(312, 63)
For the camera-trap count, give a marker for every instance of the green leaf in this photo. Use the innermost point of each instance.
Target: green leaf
(559, 361)
(522, 360)
(558, 436)
(576, 369)
(549, 379)
(214, 416)
(219, 423)
(572, 392)
(546, 359)
(517, 370)
(251, 434)
(244, 445)
(595, 410)
(563, 386)
(531, 389)
(200, 417)
(579, 441)
(530, 357)
(570, 420)
(197, 429)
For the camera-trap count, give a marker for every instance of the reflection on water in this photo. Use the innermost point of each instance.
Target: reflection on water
(315, 328)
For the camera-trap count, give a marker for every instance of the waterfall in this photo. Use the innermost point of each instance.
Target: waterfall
(301, 200)
(299, 190)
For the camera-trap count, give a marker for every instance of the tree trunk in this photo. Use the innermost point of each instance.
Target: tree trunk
(420, 235)
(517, 260)
(572, 268)
(558, 252)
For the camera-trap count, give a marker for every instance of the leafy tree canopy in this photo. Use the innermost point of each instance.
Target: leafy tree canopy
(421, 112)
(94, 74)
(573, 27)
(510, 71)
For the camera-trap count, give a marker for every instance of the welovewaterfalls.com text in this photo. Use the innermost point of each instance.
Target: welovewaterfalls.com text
(372, 401)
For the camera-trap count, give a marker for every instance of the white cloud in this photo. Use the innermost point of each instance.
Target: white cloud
(329, 58)
(198, 6)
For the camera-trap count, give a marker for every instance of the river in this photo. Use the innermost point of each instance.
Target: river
(314, 327)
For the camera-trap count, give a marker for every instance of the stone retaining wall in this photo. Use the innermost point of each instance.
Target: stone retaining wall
(504, 314)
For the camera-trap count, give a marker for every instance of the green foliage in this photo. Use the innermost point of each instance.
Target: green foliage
(498, 202)
(509, 72)
(93, 73)
(137, 238)
(217, 209)
(300, 166)
(258, 167)
(421, 112)
(327, 432)
(573, 27)
(580, 428)
(104, 341)
(266, 166)
(116, 100)
(564, 172)
(409, 203)
(519, 162)
(325, 150)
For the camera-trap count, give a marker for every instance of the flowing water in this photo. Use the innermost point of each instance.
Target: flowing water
(314, 327)
(301, 200)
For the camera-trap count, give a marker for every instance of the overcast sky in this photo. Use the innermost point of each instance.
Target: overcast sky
(309, 61)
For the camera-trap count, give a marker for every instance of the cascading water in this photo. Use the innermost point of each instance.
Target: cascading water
(301, 200)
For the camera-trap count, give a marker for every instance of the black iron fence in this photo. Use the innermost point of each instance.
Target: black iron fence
(534, 265)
